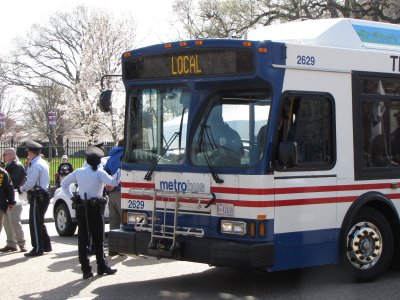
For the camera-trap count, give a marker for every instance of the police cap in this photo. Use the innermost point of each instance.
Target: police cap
(93, 151)
(33, 146)
(98, 145)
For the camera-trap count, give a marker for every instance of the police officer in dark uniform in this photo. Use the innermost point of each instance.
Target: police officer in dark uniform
(37, 187)
(90, 205)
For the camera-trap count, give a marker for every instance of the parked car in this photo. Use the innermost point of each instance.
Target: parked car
(63, 214)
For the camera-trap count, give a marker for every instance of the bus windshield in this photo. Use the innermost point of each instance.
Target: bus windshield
(156, 125)
(233, 130)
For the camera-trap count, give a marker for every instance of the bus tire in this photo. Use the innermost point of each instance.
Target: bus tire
(367, 246)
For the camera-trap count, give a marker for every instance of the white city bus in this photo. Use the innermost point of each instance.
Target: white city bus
(310, 173)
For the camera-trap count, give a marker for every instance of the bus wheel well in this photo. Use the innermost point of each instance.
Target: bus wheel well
(381, 203)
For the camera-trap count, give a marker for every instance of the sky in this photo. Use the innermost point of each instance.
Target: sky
(152, 17)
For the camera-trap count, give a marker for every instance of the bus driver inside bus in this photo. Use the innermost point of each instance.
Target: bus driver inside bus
(222, 143)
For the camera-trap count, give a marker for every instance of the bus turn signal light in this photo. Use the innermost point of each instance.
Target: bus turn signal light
(261, 229)
(252, 230)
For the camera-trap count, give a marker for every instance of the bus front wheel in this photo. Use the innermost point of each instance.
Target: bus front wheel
(368, 245)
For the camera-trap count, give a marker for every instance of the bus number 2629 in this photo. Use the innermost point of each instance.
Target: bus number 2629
(136, 204)
(305, 60)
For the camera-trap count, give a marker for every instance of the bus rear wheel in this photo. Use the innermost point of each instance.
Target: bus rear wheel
(368, 245)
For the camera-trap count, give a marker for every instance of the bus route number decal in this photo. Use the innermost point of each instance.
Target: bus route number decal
(305, 60)
(136, 204)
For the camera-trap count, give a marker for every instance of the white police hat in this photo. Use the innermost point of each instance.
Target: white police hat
(98, 145)
(93, 151)
(32, 145)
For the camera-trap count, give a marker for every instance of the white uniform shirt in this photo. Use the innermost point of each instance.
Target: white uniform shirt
(90, 182)
(37, 175)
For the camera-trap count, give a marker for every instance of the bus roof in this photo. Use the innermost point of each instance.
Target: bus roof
(340, 33)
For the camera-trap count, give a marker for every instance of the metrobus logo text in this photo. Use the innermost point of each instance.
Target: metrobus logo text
(182, 186)
(185, 65)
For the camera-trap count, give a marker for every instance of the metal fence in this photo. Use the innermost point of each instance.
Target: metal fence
(53, 153)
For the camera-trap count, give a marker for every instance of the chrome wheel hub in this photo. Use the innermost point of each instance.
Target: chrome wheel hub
(364, 245)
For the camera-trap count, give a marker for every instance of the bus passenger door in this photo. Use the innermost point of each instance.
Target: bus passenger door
(305, 182)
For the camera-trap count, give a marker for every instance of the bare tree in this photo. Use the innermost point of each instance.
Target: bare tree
(49, 97)
(225, 18)
(73, 50)
(11, 130)
(215, 18)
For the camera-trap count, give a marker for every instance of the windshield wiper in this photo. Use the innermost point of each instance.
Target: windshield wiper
(166, 147)
(204, 131)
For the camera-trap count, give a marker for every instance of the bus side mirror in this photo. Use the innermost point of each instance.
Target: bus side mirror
(105, 101)
(287, 154)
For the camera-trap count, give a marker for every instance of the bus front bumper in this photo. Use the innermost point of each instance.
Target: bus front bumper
(203, 250)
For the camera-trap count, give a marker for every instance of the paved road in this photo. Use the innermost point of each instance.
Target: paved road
(57, 275)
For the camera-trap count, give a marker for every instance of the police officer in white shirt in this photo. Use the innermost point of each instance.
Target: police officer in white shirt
(90, 205)
(37, 187)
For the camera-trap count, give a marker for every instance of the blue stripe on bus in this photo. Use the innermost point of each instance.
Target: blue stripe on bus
(305, 249)
(291, 250)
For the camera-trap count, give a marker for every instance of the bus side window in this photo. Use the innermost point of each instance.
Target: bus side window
(395, 136)
(375, 134)
(381, 134)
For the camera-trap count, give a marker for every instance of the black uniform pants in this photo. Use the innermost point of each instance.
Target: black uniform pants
(37, 209)
(95, 221)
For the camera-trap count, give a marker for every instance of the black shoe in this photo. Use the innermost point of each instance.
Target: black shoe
(106, 270)
(87, 275)
(33, 253)
(48, 249)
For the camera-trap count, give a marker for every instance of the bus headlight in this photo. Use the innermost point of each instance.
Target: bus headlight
(136, 218)
(233, 227)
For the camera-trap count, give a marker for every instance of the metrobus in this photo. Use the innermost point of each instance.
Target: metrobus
(276, 152)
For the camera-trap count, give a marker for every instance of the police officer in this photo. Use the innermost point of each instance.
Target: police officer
(90, 205)
(37, 187)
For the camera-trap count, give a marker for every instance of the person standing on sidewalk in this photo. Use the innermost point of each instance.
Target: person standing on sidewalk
(37, 187)
(6, 195)
(89, 206)
(12, 220)
(114, 193)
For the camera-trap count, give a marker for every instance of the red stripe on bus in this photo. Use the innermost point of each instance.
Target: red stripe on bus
(141, 185)
(272, 203)
(276, 191)
(299, 190)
